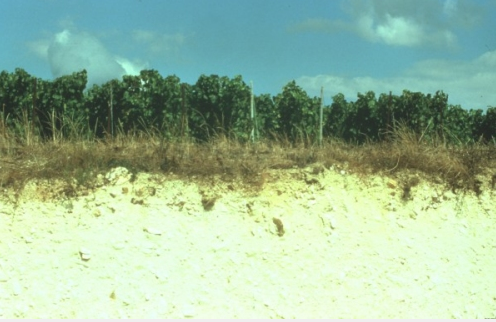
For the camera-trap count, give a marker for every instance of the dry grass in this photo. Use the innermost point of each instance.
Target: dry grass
(28, 157)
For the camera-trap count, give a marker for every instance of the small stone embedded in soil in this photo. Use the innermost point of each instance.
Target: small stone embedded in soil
(332, 223)
(136, 201)
(392, 184)
(328, 221)
(152, 231)
(85, 254)
(151, 191)
(279, 225)
(28, 239)
(208, 202)
(119, 246)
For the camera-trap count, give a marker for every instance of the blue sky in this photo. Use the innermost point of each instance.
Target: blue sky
(345, 46)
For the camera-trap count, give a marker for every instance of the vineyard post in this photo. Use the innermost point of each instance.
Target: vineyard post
(321, 114)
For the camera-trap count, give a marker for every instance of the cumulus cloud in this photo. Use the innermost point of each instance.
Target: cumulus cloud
(73, 51)
(400, 23)
(468, 83)
(130, 67)
(399, 31)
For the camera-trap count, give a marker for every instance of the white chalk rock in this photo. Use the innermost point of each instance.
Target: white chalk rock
(118, 176)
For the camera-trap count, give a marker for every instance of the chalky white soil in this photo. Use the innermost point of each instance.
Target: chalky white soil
(147, 248)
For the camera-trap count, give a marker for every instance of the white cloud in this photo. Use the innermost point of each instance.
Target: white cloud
(63, 37)
(400, 23)
(400, 31)
(131, 68)
(73, 51)
(468, 83)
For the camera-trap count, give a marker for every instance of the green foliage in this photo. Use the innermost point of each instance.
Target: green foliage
(267, 116)
(413, 110)
(335, 116)
(163, 99)
(361, 123)
(58, 100)
(96, 103)
(235, 106)
(421, 113)
(221, 105)
(42, 104)
(16, 93)
(488, 126)
(460, 125)
(298, 113)
(143, 102)
(384, 114)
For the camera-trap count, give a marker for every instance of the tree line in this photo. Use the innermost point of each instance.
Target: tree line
(221, 105)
